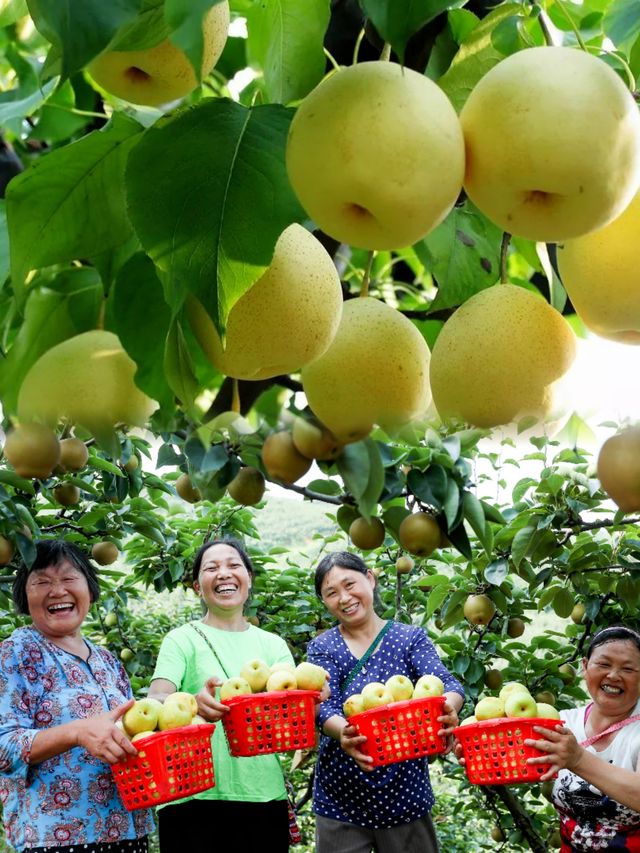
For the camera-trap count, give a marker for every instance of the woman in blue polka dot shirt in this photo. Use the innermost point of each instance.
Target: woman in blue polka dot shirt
(359, 808)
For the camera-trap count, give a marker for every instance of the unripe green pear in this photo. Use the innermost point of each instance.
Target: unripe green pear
(499, 357)
(479, 609)
(285, 320)
(163, 73)
(247, 487)
(6, 550)
(618, 468)
(104, 553)
(66, 494)
(186, 490)
(376, 156)
(600, 274)
(375, 372)
(515, 628)
(552, 137)
(366, 534)
(88, 380)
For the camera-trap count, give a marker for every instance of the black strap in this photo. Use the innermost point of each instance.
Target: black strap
(365, 657)
(210, 644)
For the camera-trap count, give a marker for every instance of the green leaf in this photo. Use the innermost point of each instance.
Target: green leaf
(286, 39)
(557, 293)
(492, 514)
(459, 539)
(621, 23)
(360, 466)
(141, 318)
(21, 108)
(463, 254)
(209, 175)
(436, 597)
(496, 572)
(393, 517)
(81, 29)
(11, 11)
(474, 514)
(345, 515)
(50, 316)
(178, 367)
(429, 486)
(4, 243)
(184, 18)
(70, 203)
(397, 22)
(452, 503)
(521, 544)
(325, 487)
(476, 56)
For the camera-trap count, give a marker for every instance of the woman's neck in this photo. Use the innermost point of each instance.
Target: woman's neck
(363, 632)
(226, 621)
(599, 720)
(73, 643)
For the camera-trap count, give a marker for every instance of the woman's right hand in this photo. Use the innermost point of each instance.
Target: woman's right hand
(208, 706)
(102, 738)
(350, 741)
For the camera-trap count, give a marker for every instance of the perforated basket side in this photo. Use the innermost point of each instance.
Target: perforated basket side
(495, 753)
(263, 723)
(169, 765)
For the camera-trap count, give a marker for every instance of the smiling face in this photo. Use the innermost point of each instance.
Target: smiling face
(59, 599)
(612, 674)
(348, 595)
(223, 580)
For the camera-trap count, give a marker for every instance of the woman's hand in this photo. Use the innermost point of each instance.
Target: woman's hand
(102, 738)
(209, 707)
(350, 741)
(560, 749)
(325, 693)
(449, 720)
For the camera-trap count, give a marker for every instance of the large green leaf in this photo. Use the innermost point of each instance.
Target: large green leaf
(185, 21)
(11, 11)
(621, 23)
(397, 22)
(4, 243)
(463, 254)
(360, 466)
(141, 318)
(209, 196)
(70, 204)
(286, 39)
(81, 29)
(22, 107)
(476, 56)
(50, 316)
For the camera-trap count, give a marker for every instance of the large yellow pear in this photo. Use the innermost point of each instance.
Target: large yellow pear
(497, 358)
(552, 137)
(619, 468)
(601, 274)
(160, 74)
(376, 155)
(376, 371)
(88, 380)
(287, 318)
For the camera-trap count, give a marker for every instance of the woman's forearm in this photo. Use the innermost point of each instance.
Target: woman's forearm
(334, 726)
(618, 784)
(454, 699)
(53, 741)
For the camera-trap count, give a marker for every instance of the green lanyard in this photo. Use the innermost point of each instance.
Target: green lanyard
(365, 657)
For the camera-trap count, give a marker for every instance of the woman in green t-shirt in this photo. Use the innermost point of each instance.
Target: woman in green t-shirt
(249, 800)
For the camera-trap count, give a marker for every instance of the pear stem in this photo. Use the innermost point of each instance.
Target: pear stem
(576, 31)
(331, 59)
(356, 47)
(235, 397)
(385, 56)
(364, 287)
(504, 253)
(546, 32)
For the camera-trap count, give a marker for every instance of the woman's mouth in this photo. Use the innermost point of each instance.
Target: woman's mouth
(225, 589)
(350, 609)
(610, 690)
(65, 607)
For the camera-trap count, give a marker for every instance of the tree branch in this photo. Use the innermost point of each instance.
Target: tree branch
(315, 496)
(519, 815)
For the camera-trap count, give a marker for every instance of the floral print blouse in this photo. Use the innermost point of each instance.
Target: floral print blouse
(71, 798)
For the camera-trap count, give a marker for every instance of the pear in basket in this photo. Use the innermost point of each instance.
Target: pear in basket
(142, 716)
(281, 679)
(310, 676)
(176, 711)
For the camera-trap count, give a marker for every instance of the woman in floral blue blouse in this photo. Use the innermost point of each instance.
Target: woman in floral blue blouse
(60, 698)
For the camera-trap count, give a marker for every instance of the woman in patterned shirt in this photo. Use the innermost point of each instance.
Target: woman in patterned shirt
(359, 808)
(60, 698)
(596, 752)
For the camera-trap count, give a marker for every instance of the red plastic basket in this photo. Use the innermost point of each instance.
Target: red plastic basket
(169, 765)
(262, 723)
(401, 730)
(495, 753)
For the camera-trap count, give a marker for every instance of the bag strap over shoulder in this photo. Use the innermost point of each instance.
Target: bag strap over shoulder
(613, 728)
(365, 657)
(210, 644)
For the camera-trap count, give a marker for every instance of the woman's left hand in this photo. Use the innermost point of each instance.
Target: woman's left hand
(449, 720)
(561, 750)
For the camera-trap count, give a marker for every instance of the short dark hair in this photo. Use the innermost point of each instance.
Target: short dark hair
(52, 552)
(344, 559)
(224, 540)
(610, 635)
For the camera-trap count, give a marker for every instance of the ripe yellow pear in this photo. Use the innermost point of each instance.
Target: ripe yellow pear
(163, 73)
(247, 487)
(186, 490)
(376, 155)
(288, 317)
(281, 459)
(314, 440)
(33, 450)
(552, 137)
(479, 610)
(73, 454)
(497, 358)
(376, 371)
(618, 468)
(600, 274)
(87, 379)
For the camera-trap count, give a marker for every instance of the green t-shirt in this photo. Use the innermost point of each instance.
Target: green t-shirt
(186, 660)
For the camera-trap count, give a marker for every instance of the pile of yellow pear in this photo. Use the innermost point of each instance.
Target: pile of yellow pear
(398, 688)
(256, 676)
(149, 716)
(514, 700)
